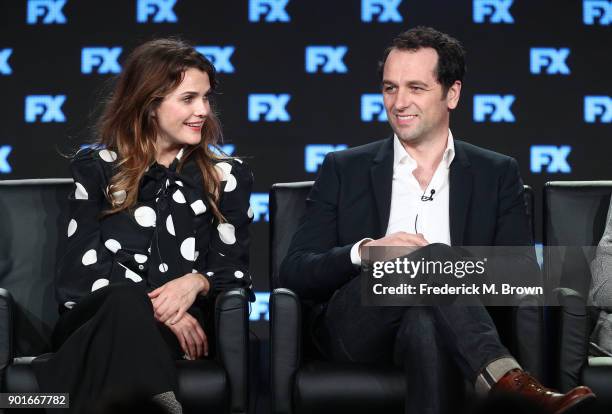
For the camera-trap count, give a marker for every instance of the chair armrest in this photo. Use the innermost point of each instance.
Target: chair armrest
(232, 329)
(285, 347)
(6, 329)
(573, 337)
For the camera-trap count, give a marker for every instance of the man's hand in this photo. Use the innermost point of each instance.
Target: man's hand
(401, 239)
(171, 301)
(191, 336)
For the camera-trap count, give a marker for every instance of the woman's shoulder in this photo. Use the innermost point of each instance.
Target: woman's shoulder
(94, 162)
(235, 166)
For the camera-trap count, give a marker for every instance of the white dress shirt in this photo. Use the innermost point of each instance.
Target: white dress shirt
(409, 213)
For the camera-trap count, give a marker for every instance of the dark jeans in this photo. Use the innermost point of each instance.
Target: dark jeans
(436, 346)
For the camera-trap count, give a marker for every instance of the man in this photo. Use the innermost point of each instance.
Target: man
(419, 187)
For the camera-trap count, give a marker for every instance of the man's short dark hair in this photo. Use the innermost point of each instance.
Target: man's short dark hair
(451, 54)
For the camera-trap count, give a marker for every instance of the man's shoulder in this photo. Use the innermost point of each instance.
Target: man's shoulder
(479, 156)
(360, 153)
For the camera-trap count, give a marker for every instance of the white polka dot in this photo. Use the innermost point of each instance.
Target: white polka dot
(179, 197)
(108, 156)
(149, 249)
(119, 196)
(145, 216)
(231, 183)
(72, 227)
(90, 257)
(238, 274)
(238, 160)
(194, 271)
(196, 254)
(210, 274)
(132, 275)
(179, 183)
(140, 258)
(69, 304)
(198, 207)
(80, 193)
(112, 245)
(188, 248)
(250, 212)
(100, 283)
(170, 225)
(221, 254)
(163, 268)
(227, 233)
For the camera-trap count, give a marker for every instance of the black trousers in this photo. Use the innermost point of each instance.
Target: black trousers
(110, 345)
(439, 347)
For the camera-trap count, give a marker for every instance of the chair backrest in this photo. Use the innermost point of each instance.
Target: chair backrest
(574, 216)
(287, 208)
(31, 220)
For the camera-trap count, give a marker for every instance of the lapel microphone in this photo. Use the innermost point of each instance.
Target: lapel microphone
(429, 197)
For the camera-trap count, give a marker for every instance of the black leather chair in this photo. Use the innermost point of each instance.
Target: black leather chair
(301, 382)
(574, 218)
(29, 223)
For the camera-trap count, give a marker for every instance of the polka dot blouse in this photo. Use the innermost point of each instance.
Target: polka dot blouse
(170, 232)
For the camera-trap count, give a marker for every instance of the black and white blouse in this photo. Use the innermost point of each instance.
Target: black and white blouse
(170, 232)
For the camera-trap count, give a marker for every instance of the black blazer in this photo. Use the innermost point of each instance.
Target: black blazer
(351, 200)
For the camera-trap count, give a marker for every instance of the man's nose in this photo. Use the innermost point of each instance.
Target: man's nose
(403, 99)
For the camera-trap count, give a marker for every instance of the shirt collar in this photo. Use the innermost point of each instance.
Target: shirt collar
(400, 156)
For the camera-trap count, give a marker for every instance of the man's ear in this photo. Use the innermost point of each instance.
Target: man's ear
(452, 96)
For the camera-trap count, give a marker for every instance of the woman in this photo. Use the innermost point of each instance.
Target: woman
(158, 227)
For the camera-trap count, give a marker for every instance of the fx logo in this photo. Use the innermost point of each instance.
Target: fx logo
(49, 108)
(496, 107)
(554, 60)
(49, 10)
(260, 309)
(384, 10)
(314, 155)
(5, 68)
(273, 10)
(5, 167)
(492, 11)
(598, 109)
(552, 157)
(373, 108)
(259, 206)
(219, 56)
(161, 10)
(327, 58)
(597, 12)
(103, 59)
(272, 107)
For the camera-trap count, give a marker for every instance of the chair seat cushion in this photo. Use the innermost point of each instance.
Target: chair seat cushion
(202, 383)
(333, 387)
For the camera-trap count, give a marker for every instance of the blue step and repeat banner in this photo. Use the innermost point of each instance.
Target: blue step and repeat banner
(299, 79)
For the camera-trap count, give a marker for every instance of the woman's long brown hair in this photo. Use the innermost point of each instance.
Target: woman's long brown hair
(127, 124)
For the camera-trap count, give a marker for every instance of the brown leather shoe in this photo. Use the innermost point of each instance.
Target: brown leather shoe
(519, 381)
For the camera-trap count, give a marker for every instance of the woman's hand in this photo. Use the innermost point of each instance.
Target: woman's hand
(191, 336)
(171, 301)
